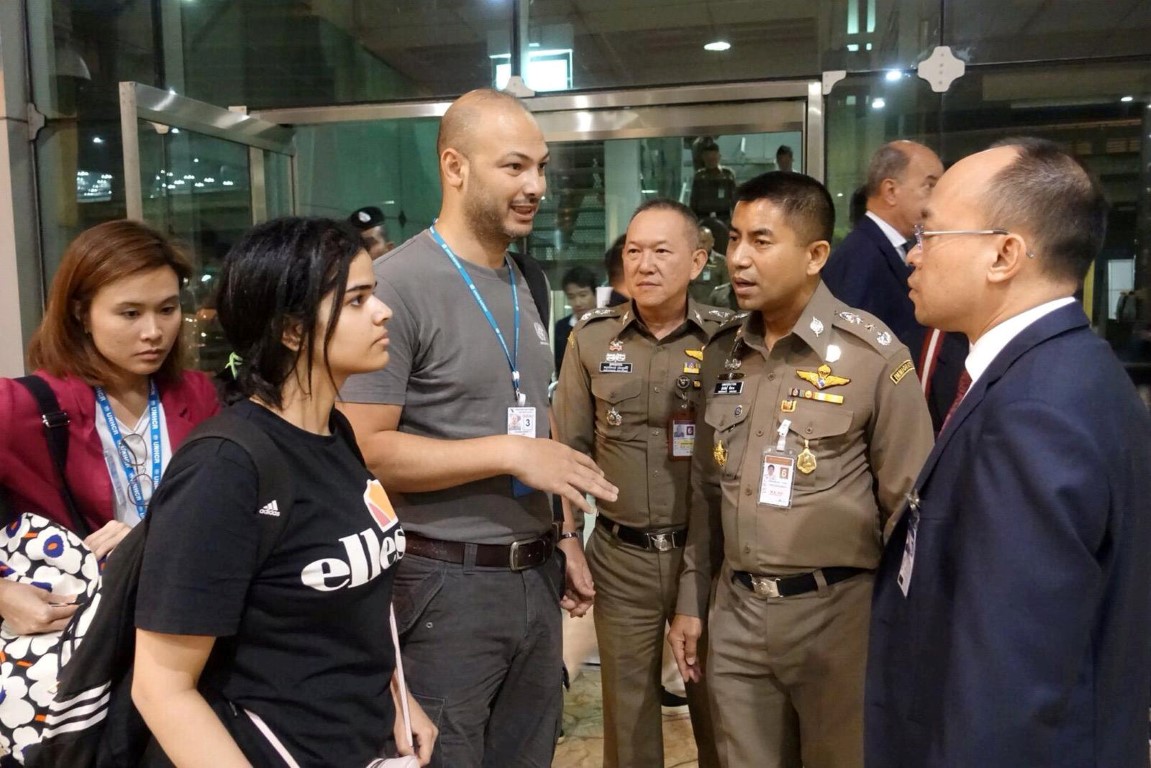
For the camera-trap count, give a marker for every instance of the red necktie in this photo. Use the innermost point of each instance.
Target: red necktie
(961, 390)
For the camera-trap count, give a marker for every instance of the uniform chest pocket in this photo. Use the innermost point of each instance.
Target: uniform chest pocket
(827, 436)
(620, 411)
(727, 418)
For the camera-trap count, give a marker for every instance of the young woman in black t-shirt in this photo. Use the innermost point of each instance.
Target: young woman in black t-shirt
(289, 661)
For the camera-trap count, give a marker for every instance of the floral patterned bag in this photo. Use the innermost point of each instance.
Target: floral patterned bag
(36, 551)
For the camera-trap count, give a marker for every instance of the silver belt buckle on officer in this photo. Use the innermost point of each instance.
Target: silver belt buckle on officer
(765, 586)
(661, 542)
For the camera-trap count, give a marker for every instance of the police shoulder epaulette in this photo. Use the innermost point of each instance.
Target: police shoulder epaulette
(869, 328)
(727, 330)
(599, 314)
(712, 314)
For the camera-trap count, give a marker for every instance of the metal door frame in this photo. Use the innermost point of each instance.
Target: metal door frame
(143, 102)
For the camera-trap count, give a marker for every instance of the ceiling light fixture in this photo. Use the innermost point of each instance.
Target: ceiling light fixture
(1126, 99)
(717, 45)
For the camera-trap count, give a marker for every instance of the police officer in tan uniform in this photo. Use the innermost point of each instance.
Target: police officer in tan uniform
(813, 430)
(629, 396)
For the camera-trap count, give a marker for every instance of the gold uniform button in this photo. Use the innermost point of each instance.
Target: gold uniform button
(747, 491)
(759, 433)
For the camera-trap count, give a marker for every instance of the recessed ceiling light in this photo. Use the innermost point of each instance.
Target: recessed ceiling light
(892, 75)
(97, 140)
(717, 45)
(878, 103)
(1127, 98)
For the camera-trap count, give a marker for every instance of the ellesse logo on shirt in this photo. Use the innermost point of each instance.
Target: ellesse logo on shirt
(366, 554)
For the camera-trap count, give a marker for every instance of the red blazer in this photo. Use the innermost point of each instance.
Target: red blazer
(26, 470)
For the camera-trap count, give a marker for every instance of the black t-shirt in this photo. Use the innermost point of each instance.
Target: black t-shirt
(304, 639)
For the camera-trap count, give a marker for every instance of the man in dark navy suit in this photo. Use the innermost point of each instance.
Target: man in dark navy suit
(1011, 623)
(869, 270)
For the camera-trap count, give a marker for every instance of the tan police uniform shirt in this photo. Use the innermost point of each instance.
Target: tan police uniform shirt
(849, 389)
(619, 391)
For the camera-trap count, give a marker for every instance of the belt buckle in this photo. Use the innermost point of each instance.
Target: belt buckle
(765, 586)
(661, 542)
(521, 562)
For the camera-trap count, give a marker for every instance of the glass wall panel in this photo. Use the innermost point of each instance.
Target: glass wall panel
(79, 51)
(197, 188)
(391, 164)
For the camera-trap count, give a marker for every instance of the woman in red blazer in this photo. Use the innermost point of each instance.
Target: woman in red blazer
(109, 347)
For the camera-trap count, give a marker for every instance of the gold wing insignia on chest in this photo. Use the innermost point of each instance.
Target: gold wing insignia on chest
(822, 377)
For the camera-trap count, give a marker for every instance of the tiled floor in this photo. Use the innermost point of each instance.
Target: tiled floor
(583, 726)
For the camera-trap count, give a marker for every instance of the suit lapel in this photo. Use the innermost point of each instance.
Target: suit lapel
(1048, 327)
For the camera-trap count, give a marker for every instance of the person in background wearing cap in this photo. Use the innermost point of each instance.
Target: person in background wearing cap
(369, 220)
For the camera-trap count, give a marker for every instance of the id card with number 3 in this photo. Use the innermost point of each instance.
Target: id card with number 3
(522, 421)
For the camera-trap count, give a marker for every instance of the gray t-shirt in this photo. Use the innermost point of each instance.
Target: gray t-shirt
(449, 372)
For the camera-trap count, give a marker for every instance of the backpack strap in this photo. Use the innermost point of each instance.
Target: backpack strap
(274, 496)
(56, 422)
(537, 281)
(341, 426)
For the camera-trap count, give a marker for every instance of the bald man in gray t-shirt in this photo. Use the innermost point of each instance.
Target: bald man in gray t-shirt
(456, 428)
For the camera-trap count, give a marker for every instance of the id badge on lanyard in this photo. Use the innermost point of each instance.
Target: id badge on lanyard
(778, 472)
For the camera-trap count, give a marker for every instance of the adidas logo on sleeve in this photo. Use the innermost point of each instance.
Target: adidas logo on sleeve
(271, 509)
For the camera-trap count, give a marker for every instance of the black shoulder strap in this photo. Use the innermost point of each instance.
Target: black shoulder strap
(275, 494)
(274, 497)
(56, 422)
(537, 283)
(342, 427)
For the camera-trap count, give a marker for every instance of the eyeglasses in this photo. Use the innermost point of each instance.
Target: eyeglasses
(922, 234)
(134, 452)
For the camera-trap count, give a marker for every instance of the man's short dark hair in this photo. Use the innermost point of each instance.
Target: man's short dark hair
(581, 276)
(690, 220)
(1060, 203)
(784, 150)
(888, 162)
(806, 204)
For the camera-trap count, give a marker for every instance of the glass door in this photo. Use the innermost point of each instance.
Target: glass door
(202, 174)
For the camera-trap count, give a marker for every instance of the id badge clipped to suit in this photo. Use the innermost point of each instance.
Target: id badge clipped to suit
(778, 472)
(908, 563)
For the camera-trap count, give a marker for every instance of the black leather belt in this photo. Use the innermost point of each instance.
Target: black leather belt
(662, 540)
(790, 586)
(517, 556)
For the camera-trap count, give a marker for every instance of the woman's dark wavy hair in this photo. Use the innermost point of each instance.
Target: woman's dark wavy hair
(272, 280)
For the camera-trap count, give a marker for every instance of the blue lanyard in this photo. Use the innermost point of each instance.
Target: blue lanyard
(514, 355)
(126, 461)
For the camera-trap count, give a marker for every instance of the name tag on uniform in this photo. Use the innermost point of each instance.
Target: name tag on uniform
(728, 387)
(522, 421)
(615, 367)
(775, 483)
